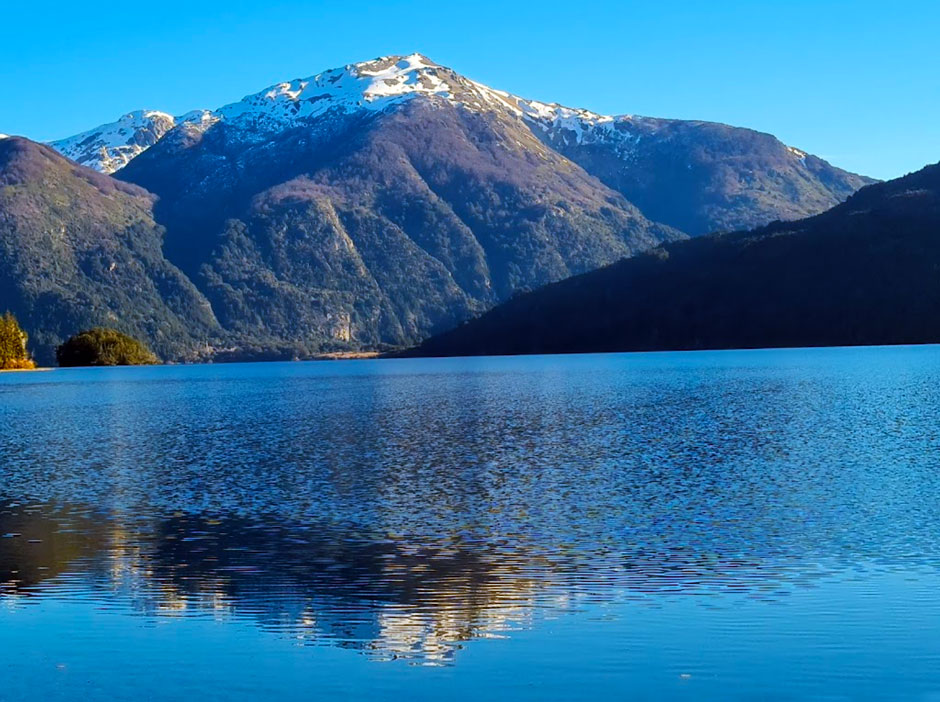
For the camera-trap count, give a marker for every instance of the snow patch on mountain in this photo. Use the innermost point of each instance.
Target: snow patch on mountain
(111, 146)
(801, 155)
(577, 126)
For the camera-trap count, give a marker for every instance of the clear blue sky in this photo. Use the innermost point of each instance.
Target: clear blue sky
(855, 82)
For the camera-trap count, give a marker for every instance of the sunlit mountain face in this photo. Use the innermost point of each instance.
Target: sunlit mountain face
(692, 175)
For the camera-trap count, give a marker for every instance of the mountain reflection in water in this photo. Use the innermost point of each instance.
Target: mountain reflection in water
(404, 508)
(316, 583)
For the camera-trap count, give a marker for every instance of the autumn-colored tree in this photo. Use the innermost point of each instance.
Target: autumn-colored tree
(13, 352)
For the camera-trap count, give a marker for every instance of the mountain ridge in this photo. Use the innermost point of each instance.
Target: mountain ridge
(109, 147)
(381, 203)
(733, 178)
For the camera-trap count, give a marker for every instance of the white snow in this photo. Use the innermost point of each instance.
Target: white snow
(583, 126)
(369, 86)
(387, 81)
(372, 85)
(799, 154)
(4, 136)
(111, 146)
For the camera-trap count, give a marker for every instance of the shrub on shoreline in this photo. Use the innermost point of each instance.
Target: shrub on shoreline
(102, 346)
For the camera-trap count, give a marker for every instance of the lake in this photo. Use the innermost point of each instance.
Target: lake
(699, 526)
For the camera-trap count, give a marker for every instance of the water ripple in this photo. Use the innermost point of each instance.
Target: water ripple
(404, 508)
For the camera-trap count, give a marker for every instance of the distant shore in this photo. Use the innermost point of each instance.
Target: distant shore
(346, 355)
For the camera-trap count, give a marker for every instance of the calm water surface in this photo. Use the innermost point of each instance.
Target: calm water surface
(728, 525)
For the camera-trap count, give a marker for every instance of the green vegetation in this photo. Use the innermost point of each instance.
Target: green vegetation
(79, 250)
(13, 353)
(104, 347)
(404, 226)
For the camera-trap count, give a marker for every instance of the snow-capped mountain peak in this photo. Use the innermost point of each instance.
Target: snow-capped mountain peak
(371, 85)
(384, 82)
(111, 146)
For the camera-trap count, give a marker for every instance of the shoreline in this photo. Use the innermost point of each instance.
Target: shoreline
(346, 355)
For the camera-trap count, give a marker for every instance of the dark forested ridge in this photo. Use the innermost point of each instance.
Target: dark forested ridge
(865, 272)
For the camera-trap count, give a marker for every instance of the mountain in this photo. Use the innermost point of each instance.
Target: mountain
(865, 272)
(343, 210)
(698, 177)
(384, 201)
(379, 203)
(80, 249)
(111, 146)
(694, 176)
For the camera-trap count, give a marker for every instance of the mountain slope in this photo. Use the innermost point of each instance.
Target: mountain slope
(865, 272)
(79, 249)
(699, 177)
(345, 211)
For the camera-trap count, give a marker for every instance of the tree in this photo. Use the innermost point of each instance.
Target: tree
(104, 347)
(13, 352)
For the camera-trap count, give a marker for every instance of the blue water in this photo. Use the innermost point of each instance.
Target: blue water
(722, 525)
